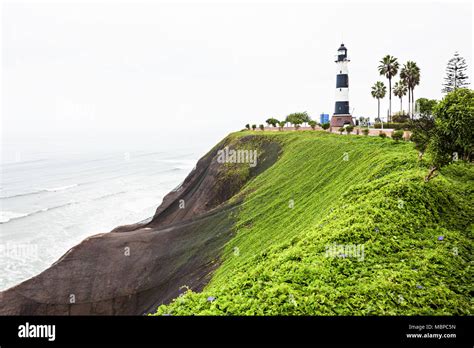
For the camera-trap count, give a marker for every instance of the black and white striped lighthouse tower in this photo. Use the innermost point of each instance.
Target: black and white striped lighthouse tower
(341, 114)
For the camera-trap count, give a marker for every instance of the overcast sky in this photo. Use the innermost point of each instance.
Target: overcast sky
(192, 72)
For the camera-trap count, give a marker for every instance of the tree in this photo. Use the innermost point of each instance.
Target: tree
(399, 117)
(281, 125)
(410, 74)
(261, 127)
(389, 68)
(397, 135)
(455, 74)
(312, 124)
(247, 126)
(400, 90)
(298, 118)
(341, 130)
(421, 130)
(254, 126)
(426, 106)
(378, 91)
(325, 126)
(423, 127)
(349, 129)
(272, 121)
(452, 137)
(365, 131)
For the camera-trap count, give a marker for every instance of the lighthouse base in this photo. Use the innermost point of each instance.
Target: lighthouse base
(341, 120)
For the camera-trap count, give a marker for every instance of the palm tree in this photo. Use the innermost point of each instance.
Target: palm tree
(389, 67)
(378, 91)
(400, 90)
(410, 74)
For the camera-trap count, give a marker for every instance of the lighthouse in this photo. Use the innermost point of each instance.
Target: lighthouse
(342, 116)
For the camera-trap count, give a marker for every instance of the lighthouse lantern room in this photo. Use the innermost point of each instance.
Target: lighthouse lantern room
(342, 116)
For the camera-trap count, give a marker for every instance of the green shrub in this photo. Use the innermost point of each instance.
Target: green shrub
(325, 126)
(397, 135)
(298, 117)
(400, 118)
(281, 125)
(365, 131)
(453, 136)
(382, 134)
(272, 121)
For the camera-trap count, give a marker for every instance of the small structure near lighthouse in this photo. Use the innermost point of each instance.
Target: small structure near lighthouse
(342, 116)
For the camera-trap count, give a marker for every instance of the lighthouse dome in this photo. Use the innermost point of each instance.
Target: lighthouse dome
(342, 53)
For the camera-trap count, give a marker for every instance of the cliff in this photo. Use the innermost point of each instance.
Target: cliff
(134, 268)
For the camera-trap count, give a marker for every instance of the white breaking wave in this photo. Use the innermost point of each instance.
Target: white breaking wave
(109, 195)
(60, 188)
(41, 190)
(6, 216)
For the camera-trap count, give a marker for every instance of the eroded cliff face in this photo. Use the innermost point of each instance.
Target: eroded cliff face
(134, 268)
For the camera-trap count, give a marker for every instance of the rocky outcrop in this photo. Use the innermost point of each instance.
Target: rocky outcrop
(134, 268)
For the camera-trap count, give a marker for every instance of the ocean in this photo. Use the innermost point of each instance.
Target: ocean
(48, 204)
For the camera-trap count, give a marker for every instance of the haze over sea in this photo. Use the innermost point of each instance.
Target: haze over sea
(53, 196)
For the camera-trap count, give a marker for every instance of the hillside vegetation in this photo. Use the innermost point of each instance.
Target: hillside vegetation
(328, 190)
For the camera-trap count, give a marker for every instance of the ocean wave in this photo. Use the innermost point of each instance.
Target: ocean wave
(6, 216)
(60, 188)
(108, 195)
(41, 190)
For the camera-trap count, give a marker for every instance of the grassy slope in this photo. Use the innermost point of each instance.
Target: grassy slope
(377, 198)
